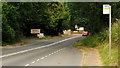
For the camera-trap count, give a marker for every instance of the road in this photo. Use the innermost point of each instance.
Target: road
(52, 52)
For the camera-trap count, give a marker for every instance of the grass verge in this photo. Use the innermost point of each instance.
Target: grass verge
(90, 42)
(20, 43)
(106, 59)
(100, 41)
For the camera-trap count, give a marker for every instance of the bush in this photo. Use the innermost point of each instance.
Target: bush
(115, 32)
(8, 34)
(88, 41)
(102, 36)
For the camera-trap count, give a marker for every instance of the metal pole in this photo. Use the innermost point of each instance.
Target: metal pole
(110, 32)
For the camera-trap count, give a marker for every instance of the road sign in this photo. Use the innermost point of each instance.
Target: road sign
(35, 31)
(106, 9)
(76, 27)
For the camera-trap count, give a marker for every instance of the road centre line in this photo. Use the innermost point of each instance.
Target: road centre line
(33, 62)
(38, 59)
(49, 54)
(42, 57)
(38, 47)
(45, 56)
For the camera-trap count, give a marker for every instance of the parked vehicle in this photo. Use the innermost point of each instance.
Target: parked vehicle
(85, 33)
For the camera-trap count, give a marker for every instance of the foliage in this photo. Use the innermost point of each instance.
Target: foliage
(53, 17)
(19, 18)
(101, 41)
(88, 42)
(90, 15)
(10, 25)
(106, 61)
(59, 16)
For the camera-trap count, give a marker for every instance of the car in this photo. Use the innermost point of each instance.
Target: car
(85, 33)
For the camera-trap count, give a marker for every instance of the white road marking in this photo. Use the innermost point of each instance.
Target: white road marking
(27, 64)
(45, 56)
(38, 47)
(49, 54)
(38, 59)
(55, 52)
(42, 57)
(33, 62)
(52, 53)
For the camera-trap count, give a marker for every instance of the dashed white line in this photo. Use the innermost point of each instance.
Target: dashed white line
(33, 62)
(42, 58)
(38, 59)
(27, 64)
(55, 52)
(52, 53)
(45, 56)
(49, 54)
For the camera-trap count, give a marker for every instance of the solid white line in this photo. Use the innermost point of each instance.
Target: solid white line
(37, 47)
(27, 64)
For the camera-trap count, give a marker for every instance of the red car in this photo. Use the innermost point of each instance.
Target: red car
(85, 33)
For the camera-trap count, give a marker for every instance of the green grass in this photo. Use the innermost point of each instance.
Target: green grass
(88, 41)
(23, 43)
(100, 41)
(103, 50)
(108, 61)
(12, 43)
(46, 37)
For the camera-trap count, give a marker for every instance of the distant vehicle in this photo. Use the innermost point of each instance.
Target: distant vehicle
(85, 33)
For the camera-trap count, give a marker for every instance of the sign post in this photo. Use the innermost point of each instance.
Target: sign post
(107, 10)
(35, 31)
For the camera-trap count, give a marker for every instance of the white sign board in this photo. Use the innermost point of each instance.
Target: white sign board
(76, 26)
(35, 31)
(106, 9)
(81, 28)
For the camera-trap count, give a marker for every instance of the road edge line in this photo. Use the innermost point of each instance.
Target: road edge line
(37, 47)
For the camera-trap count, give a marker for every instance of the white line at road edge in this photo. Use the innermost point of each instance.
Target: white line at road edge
(27, 64)
(38, 47)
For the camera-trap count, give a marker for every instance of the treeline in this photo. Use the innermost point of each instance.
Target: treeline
(90, 15)
(18, 18)
(52, 18)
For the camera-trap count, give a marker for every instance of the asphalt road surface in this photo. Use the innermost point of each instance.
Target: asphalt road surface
(53, 52)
